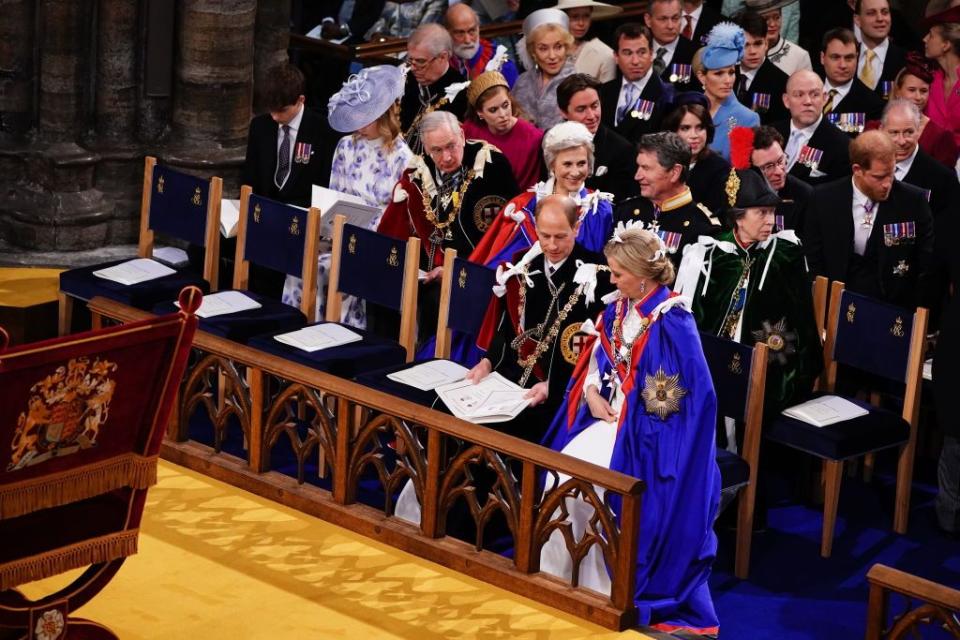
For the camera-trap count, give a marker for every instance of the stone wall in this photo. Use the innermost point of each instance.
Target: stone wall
(89, 87)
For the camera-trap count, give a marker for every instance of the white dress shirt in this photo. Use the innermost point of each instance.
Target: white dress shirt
(748, 76)
(668, 56)
(694, 19)
(880, 54)
(798, 138)
(842, 91)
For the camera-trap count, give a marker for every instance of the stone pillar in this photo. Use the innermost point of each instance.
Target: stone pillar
(213, 86)
(272, 41)
(16, 69)
(55, 206)
(116, 87)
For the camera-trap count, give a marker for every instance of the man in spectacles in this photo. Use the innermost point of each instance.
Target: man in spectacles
(472, 53)
(768, 158)
(428, 54)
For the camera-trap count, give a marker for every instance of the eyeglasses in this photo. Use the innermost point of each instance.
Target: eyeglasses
(779, 163)
(420, 63)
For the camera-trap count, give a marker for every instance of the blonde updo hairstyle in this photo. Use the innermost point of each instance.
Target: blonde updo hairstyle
(544, 30)
(634, 253)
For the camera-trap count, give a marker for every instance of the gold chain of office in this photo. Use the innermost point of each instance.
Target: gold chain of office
(458, 195)
(429, 108)
(545, 341)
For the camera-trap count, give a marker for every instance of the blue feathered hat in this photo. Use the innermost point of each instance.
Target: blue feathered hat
(724, 48)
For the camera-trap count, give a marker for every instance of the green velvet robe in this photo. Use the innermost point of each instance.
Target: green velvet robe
(779, 314)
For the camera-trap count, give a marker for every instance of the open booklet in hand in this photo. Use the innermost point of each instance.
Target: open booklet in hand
(430, 375)
(332, 203)
(825, 410)
(493, 399)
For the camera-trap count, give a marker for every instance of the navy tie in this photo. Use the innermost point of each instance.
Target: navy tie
(283, 159)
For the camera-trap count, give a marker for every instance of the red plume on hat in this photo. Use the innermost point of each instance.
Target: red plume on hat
(741, 147)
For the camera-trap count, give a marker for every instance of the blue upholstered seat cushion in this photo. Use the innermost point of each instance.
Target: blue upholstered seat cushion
(734, 470)
(346, 361)
(378, 380)
(879, 429)
(272, 315)
(81, 283)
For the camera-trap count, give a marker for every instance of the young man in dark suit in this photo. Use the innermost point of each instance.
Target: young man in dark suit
(760, 84)
(614, 165)
(872, 232)
(770, 160)
(672, 53)
(634, 102)
(901, 121)
(848, 103)
(880, 59)
(816, 150)
(284, 160)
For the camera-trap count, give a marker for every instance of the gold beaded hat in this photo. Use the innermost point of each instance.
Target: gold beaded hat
(484, 81)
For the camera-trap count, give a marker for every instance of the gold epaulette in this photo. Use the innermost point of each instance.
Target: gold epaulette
(706, 211)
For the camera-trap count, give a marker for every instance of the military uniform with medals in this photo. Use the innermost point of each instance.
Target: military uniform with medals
(537, 337)
(680, 221)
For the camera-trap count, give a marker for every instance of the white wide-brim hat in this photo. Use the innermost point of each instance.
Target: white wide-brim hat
(600, 9)
(364, 97)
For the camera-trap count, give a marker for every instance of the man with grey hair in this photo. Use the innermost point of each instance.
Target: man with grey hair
(663, 164)
(472, 53)
(431, 82)
(447, 197)
(901, 121)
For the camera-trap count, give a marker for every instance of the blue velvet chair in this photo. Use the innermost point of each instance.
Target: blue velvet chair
(882, 340)
(278, 236)
(465, 292)
(373, 267)
(739, 374)
(173, 203)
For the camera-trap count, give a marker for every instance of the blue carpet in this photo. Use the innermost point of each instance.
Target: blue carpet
(794, 594)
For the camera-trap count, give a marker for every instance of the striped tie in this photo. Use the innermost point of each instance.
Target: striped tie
(283, 159)
(828, 105)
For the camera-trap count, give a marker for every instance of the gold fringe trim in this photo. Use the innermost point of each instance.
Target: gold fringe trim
(102, 549)
(128, 470)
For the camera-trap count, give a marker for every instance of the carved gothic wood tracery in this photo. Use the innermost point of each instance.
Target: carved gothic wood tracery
(369, 448)
(293, 411)
(218, 385)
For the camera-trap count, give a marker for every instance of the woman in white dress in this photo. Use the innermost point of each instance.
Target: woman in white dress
(642, 402)
(366, 163)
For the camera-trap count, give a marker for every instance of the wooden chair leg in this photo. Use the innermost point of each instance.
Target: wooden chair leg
(833, 474)
(901, 513)
(96, 321)
(64, 313)
(745, 512)
(868, 463)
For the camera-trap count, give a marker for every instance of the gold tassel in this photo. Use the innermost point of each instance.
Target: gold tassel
(93, 551)
(733, 187)
(128, 470)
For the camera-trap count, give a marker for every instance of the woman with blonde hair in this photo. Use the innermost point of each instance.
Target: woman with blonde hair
(642, 402)
(493, 115)
(549, 43)
(367, 162)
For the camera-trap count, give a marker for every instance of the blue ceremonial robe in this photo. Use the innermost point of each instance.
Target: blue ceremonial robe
(674, 456)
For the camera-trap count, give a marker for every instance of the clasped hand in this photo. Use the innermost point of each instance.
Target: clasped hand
(599, 408)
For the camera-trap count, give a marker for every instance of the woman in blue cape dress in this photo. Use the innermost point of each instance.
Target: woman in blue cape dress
(641, 401)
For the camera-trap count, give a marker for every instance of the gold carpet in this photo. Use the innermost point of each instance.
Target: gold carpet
(25, 287)
(217, 562)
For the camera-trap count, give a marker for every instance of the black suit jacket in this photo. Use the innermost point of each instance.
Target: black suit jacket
(794, 213)
(901, 267)
(708, 20)
(260, 164)
(937, 182)
(683, 54)
(860, 99)
(769, 84)
(835, 145)
(631, 128)
(708, 182)
(614, 165)
(410, 106)
(895, 61)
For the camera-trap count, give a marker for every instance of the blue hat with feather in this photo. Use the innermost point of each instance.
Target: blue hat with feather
(724, 47)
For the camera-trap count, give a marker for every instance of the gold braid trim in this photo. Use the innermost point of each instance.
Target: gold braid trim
(112, 546)
(429, 108)
(458, 196)
(128, 470)
(531, 360)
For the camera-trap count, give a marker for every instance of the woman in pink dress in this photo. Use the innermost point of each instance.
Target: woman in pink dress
(913, 84)
(942, 44)
(494, 116)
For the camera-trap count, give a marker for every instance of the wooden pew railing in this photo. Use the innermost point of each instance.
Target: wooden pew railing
(927, 604)
(380, 52)
(363, 433)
